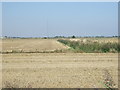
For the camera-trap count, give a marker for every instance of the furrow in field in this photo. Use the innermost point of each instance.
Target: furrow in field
(61, 70)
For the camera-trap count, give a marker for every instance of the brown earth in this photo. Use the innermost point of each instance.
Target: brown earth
(60, 70)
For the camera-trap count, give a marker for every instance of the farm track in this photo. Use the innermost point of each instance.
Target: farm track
(59, 70)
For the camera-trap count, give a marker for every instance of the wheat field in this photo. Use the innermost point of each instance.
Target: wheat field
(31, 45)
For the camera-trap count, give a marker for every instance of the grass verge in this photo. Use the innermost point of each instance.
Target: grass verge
(92, 47)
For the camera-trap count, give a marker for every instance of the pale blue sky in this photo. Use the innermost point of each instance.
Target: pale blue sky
(39, 19)
(0, 19)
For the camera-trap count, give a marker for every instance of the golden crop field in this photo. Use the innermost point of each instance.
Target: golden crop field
(55, 70)
(31, 45)
(105, 40)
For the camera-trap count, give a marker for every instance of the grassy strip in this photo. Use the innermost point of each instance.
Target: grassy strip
(55, 51)
(92, 47)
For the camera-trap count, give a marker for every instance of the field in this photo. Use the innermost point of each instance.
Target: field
(31, 45)
(26, 64)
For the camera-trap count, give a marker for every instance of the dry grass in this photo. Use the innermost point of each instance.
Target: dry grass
(63, 70)
(100, 40)
(31, 45)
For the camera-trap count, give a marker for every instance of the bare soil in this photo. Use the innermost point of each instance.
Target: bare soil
(60, 70)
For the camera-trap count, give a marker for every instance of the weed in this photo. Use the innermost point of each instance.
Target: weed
(92, 47)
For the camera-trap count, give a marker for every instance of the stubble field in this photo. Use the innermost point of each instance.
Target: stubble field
(31, 45)
(55, 70)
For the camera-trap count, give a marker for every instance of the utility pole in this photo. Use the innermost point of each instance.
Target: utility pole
(47, 28)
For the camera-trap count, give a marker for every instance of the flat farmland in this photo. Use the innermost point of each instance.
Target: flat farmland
(31, 45)
(56, 70)
(100, 40)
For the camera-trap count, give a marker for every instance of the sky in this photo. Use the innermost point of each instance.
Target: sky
(41, 19)
(0, 19)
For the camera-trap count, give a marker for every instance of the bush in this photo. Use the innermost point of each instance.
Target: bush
(92, 47)
(73, 36)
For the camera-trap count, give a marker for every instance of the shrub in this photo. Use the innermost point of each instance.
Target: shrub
(91, 47)
(73, 36)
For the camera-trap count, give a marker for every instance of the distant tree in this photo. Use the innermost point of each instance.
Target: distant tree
(45, 37)
(114, 36)
(73, 36)
(5, 36)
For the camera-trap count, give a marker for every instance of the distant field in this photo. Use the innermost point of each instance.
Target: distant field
(100, 40)
(34, 63)
(31, 45)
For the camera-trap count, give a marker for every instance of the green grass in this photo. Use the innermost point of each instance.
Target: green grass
(92, 47)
